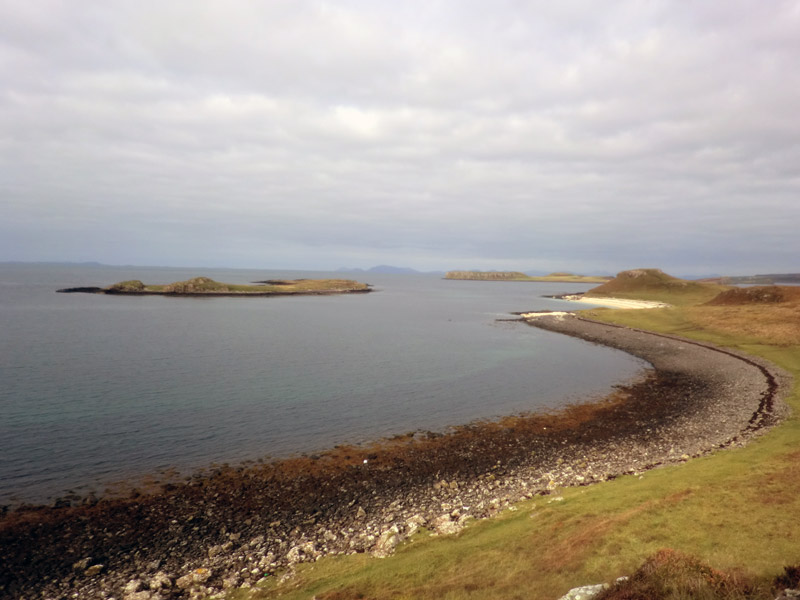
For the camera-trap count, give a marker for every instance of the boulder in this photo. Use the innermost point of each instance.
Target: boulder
(387, 542)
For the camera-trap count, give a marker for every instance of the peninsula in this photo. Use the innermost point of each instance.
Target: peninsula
(558, 277)
(203, 286)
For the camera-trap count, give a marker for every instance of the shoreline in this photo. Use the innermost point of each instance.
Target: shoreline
(608, 302)
(239, 524)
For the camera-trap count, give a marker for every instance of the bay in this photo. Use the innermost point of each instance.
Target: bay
(99, 388)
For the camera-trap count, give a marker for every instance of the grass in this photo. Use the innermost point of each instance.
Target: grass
(655, 285)
(676, 296)
(732, 514)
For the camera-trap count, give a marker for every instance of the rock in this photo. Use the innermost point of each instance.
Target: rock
(413, 524)
(329, 536)
(444, 525)
(142, 595)
(134, 585)
(586, 592)
(94, 570)
(196, 577)
(361, 513)
(387, 542)
(213, 551)
(160, 581)
(268, 560)
(301, 552)
(82, 564)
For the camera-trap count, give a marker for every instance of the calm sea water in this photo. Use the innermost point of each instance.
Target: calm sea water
(100, 388)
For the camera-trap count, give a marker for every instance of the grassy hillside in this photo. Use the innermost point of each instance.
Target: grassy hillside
(654, 284)
(734, 511)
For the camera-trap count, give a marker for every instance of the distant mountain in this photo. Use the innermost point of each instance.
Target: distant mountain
(388, 270)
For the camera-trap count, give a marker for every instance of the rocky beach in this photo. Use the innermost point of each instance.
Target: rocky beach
(236, 526)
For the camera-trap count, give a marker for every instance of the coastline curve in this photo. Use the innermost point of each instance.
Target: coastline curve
(238, 525)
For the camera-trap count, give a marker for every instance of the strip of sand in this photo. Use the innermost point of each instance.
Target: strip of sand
(620, 302)
(623, 303)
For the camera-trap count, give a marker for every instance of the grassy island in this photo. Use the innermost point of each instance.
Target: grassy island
(558, 277)
(203, 286)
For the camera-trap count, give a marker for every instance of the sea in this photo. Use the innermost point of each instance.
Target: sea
(97, 390)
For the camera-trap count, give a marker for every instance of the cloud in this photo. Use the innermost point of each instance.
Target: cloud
(321, 134)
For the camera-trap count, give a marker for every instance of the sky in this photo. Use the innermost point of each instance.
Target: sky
(536, 136)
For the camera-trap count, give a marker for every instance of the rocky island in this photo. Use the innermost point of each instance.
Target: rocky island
(203, 286)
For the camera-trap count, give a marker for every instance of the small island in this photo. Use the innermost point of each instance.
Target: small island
(203, 286)
(558, 277)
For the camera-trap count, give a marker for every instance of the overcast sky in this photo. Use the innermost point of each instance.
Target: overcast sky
(552, 135)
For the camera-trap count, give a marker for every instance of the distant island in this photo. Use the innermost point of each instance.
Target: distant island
(764, 279)
(389, 270)
(203, 286)
(561, 277)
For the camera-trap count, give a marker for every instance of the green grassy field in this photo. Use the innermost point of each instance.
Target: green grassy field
(734, 510)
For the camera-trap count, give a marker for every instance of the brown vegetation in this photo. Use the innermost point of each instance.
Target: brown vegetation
(767, 323)
(672, 575)
(771, 294)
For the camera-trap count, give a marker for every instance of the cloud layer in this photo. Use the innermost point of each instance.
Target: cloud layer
(535, 135)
